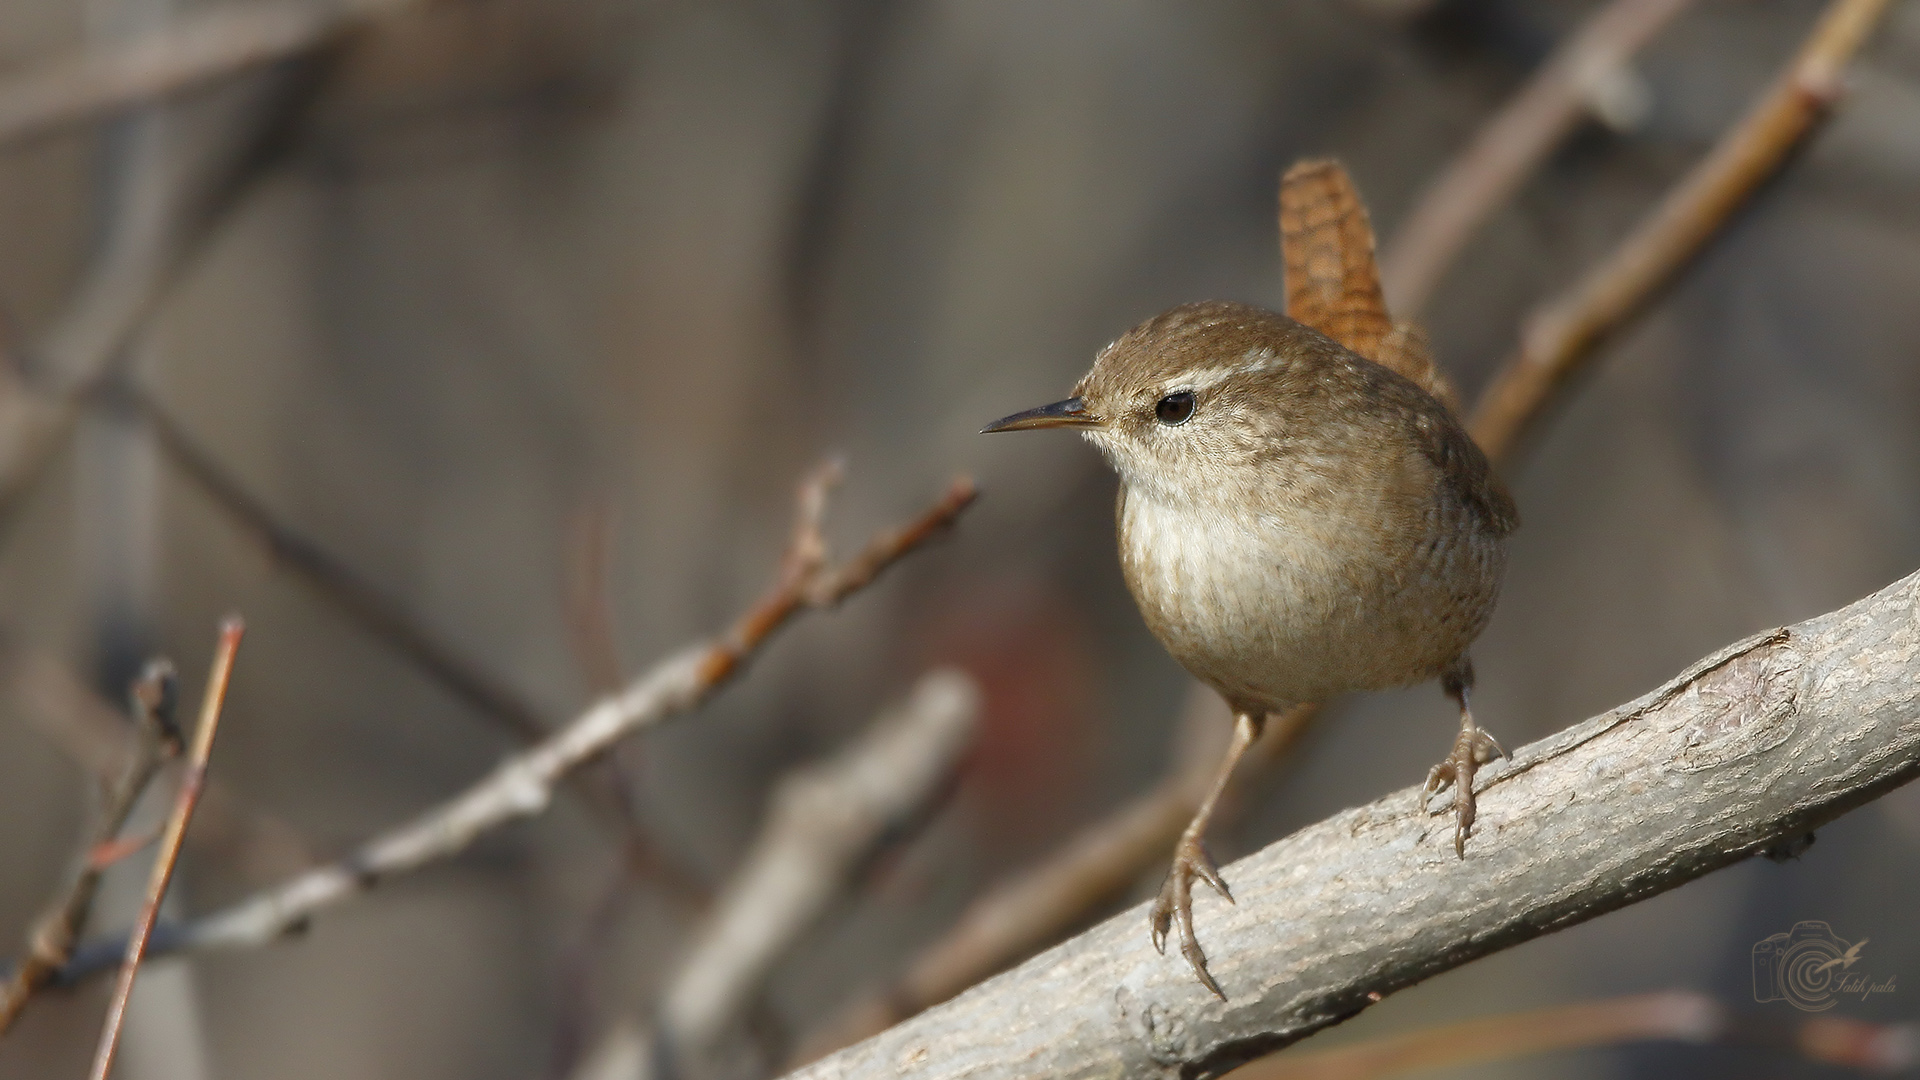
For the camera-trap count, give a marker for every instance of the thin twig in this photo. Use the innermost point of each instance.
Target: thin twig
(1561, 335)
(98, 739)
(1670, 1015)
(1753, 746)
(1511, 145)
(826, 821)
(192, 780)
(523, 784)
(50, 942)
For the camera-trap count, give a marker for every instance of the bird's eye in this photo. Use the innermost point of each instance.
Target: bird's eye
(1174, 408)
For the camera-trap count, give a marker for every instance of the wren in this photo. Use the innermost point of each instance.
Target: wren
(1295, 522)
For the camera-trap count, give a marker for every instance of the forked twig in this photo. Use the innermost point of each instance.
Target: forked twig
(50, 942)
(192, 780)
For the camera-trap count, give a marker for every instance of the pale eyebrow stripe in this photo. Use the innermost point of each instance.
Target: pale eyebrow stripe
(1255, 359)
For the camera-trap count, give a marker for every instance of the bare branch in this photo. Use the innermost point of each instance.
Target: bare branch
(1512, 144)
(98, 739)
(1756, 744)
(826, 822)
(1561, 335)
(192, 781)
(523, 784)
(50, 942)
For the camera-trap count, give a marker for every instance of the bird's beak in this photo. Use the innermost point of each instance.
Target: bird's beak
(1069, 413)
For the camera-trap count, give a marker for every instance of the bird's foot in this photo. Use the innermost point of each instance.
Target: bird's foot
(1471, 750)
(1190, 861)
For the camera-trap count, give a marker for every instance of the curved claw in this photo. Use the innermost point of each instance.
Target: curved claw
(1471, 750)
(1486, 747)
(1190, 861)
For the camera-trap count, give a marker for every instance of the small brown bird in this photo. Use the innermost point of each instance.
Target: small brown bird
(1295, 522)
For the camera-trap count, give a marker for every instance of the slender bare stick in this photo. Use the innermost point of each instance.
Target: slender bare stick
(1561, 335)
(50, 942)
(98, 739)
(523, 784)
(1750, 748)
(192, 780)
(1512, 144)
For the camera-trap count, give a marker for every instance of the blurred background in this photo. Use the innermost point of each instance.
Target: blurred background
(530, 314)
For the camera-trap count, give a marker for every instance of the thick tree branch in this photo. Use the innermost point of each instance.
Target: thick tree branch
(1755, 745)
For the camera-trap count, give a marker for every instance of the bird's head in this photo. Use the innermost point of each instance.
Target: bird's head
(1185, 402)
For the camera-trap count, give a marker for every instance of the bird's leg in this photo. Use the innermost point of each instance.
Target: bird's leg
(1190, 859)
(1472, 749)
